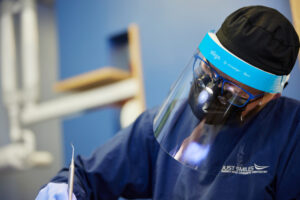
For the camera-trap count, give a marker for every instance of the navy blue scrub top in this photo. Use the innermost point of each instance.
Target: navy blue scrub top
(262, 163)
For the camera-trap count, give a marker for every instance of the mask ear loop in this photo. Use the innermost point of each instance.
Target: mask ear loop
(286, 80)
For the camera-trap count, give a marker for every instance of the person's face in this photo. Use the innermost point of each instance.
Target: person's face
(256, 103)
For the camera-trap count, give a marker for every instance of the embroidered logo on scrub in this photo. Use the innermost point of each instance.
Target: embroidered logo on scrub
(255, 169)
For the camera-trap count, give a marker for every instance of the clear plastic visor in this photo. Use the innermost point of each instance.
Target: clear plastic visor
(201, 105)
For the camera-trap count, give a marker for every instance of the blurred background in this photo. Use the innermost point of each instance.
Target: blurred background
(53, 57)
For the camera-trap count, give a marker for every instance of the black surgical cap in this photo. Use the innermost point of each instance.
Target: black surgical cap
(262, 37)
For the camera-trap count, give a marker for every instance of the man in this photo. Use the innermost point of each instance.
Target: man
(224, 132)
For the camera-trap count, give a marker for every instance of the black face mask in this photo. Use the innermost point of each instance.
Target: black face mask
(206, 102)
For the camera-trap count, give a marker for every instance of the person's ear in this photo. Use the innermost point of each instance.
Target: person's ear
(270, 97)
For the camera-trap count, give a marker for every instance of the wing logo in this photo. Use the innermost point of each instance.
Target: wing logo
(257, 167)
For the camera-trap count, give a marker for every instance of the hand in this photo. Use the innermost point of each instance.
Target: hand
(54, 191)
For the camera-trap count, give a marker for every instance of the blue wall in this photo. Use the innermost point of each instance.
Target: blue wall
(170, 31)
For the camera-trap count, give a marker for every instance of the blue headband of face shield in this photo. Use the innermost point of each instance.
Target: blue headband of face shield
(238, 69)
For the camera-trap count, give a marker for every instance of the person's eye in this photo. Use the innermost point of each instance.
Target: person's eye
(229, 88)
(236, 91)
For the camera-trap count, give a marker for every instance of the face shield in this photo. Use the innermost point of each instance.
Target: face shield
(207, 100)
(199, 106)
